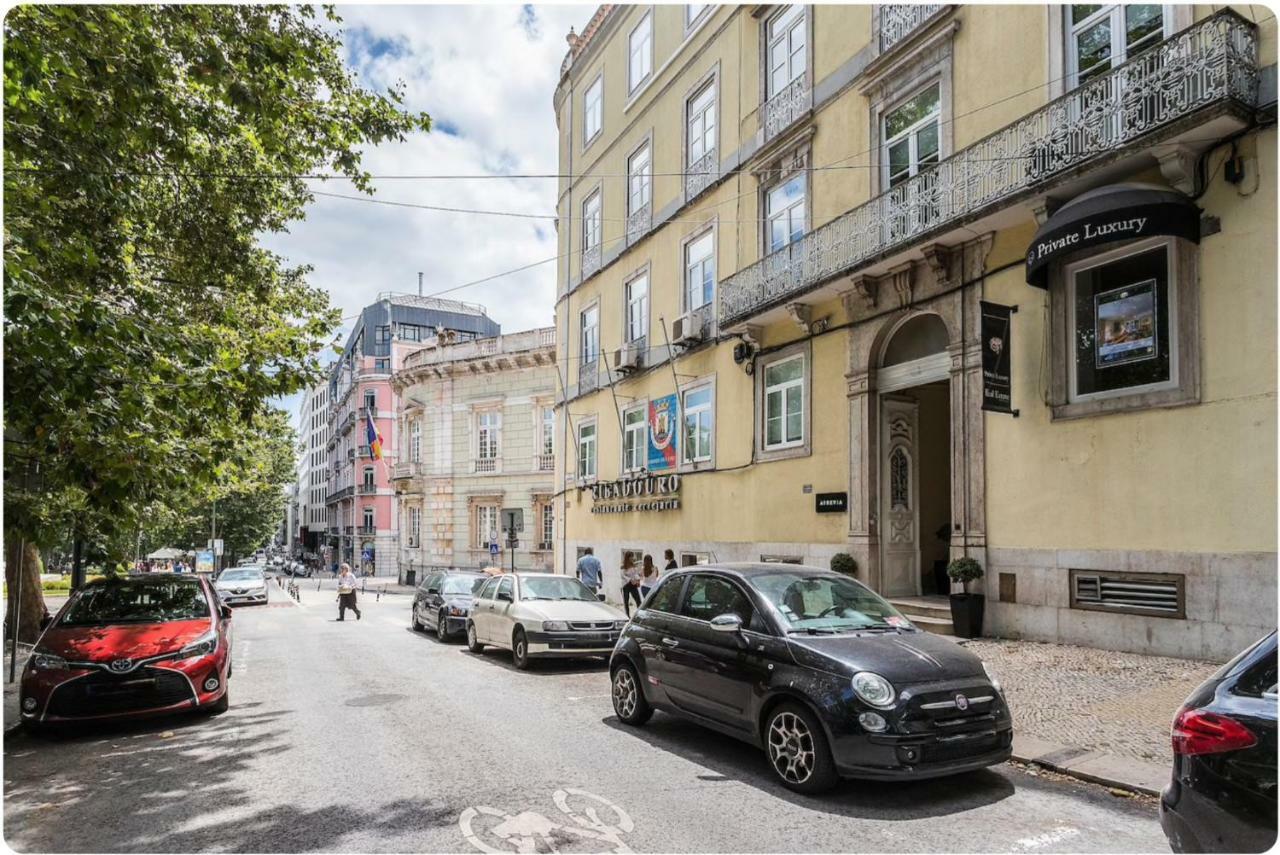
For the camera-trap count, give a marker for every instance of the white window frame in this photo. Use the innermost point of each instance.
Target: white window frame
(798, 207)
(699, 266)
(792, 448)
(487, 519)
(638, 433)
(640, 56)
(706, 120)
(795, 19)
(1120, 51)
(589, 335)
(707, 410)
(909, 133)
(547, 428)
(592, 220)
(640, 178)
(488, 434)
(368, 518)
(415, 440)
(415, 527)
(588, 451)
(547, 525)
(593, 110)
(693, 12)
(636, 322)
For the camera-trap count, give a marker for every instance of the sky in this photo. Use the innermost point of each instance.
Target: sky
(486, 74)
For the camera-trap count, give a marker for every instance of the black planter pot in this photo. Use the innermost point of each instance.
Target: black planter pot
(966, 614)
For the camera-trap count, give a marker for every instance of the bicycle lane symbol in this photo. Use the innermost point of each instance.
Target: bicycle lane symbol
(595, 824)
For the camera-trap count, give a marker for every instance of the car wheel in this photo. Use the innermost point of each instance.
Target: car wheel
(628, 698)
(798, 750)
(222, 704)
(442, 627)
(417, 627)
(473, 644)
(520, 650)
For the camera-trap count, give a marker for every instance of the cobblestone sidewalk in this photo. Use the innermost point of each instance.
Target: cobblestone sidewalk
(1117, 703)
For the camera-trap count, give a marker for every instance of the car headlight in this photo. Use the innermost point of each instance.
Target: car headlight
(202, 646)
(995, 682)
(455, 611)
(874, 689)
(554, 626)
(48, 662)
(620, 624)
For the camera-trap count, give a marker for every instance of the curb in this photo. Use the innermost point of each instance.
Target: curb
(1096, 767)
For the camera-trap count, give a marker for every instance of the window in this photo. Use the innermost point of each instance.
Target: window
(410, 332)
(415, 526)
(694, 559)
(590, 335)
(371, 400)
(784, 403)
(693, 11)
(593, 110)
(382, 366)
(486, 530)
(382, 335)
(1103, 36)
(667, 597)
(487, 589)
(548, 525)
(785, 212)
(489, 429)
(700, 271)
(548, 431)
(786, 49)
(367, 475)
(368, 519)
(698, 409)
(506, 589)
(415, 440)
(707, 597)
(587, 451)
(634, 438)
(640, 53)
(638, 308)
(591, 222)
(1121, 315)
(702, 123)
(911, 135)
(639, 179)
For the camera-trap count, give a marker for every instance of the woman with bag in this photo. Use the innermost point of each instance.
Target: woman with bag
(347, 593)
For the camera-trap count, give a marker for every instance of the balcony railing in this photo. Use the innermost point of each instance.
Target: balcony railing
(898, 21)
(1208, 64)
(590, 260)
(545, 462)
(367, 489)
(349, 530)
(589, 376)
(511, 343)
(367, 530)
(401, 471)
(702, 174)
(783, 109)
(638, 222)
(485, 464)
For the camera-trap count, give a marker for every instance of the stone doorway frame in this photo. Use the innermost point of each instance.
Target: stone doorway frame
(948, 284)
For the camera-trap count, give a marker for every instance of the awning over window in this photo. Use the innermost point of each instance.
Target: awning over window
(1112, 213)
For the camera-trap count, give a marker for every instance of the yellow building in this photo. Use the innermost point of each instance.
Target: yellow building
(918, 282)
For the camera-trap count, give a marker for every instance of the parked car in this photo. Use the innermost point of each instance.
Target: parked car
(242, 585)
(1222, 794)
(537, 615)
(443, 601)
(815, 668)
(297, 568)
(130, 646)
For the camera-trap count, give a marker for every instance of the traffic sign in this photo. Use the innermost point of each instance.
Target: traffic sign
(217, 547)
(493, 547)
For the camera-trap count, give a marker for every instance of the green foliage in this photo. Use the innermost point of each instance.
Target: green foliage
(964, 571)
(843, 562)
(146, 150)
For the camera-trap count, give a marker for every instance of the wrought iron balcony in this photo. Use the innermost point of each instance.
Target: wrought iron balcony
(368, 530)
(1210, 66)
(899, 21)
(590, 260)
(367, 489)
(702, 174)
(786, 107)
(638, 222)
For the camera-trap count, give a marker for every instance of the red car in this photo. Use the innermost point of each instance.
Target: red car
(124, 647)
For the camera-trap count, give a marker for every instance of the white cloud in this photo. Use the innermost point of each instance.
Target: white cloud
(486, 75)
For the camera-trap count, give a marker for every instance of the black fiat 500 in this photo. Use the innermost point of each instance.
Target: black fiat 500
(815, 668)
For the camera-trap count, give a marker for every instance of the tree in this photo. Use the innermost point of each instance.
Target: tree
(146, 149)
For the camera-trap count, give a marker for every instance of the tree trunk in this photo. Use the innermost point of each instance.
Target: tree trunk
(30, 605)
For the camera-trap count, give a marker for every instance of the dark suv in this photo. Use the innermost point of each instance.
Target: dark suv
(443, 601)
(815, 668)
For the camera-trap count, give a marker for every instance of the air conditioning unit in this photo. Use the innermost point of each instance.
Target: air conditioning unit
(627, 358)
(686, 330)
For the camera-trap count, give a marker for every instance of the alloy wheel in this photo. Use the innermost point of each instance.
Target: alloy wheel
(791, 747)
(442, 627)
(624, 693)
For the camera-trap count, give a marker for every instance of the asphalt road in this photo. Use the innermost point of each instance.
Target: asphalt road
(370, 737)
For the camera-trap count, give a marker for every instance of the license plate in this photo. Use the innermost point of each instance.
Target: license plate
(593, 636)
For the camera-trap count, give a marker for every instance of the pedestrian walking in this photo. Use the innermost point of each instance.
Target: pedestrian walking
(671, 561)
(630, 582)
(648, 576)
(347, 593)
(589, 569)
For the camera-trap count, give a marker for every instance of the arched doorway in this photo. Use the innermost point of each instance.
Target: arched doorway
(913, 380)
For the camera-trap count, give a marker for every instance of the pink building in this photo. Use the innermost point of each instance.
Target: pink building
(361, 503)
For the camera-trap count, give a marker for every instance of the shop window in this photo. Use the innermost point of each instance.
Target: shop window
(694, 559)
(1125, 329)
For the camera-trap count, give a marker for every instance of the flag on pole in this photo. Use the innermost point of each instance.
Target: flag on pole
(372, 438)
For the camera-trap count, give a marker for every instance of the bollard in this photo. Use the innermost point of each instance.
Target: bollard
(378, 598)
(317, 586)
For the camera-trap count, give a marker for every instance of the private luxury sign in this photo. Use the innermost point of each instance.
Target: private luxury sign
(647, 493)
(1087, 234)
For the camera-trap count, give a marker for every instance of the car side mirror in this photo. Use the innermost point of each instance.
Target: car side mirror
(433, 590)
(504, 597)
(726, 623)
(600, 597)
(225, 612)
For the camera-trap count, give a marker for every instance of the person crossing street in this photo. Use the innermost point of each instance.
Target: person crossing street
(347, 593)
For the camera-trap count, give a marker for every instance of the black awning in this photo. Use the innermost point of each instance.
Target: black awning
(1111, 213)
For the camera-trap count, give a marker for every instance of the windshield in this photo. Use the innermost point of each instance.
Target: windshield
(825, 603)
(238, 575)
(554, 588)
(147, 602)
(457, 585)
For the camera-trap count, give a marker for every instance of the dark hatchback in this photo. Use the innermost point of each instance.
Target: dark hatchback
(1222, 795)
(813, 667)
(443, 601)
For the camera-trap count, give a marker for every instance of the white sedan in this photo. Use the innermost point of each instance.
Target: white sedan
(241, 585)
(536, 615)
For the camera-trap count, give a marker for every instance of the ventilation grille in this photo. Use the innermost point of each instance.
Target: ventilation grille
(1144, 593)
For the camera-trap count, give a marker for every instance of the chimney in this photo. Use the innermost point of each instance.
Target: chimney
(419, 283)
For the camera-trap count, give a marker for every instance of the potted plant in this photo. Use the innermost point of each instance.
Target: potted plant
(966, 608)
(842, 562)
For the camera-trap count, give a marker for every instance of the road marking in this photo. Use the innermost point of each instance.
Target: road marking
(588, 697)
(242, 661)
(492, 830)
(1057, 835)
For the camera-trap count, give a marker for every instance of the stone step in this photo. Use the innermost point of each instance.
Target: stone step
(931, 624)
(931, 607)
